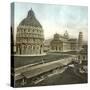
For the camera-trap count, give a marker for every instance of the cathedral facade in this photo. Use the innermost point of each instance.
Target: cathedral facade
(29, 36)
(63, 43)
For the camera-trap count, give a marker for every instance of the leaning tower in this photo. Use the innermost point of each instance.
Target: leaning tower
(80, 40)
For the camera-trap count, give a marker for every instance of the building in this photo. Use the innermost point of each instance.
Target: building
(73, 44)
(83, 58)
(63, 43)
(29, 36)
(47, 45)
(80, 40)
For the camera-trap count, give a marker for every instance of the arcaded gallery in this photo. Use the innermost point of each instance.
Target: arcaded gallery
(29, 37)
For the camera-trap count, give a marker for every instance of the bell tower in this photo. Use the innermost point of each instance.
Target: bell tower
(80, 40)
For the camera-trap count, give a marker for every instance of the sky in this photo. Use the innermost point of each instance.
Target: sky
(55, 18)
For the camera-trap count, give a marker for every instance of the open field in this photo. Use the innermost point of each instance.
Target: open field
(25, 60)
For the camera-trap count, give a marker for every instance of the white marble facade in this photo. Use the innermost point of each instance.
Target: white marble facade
(29, 37)
(63, 43)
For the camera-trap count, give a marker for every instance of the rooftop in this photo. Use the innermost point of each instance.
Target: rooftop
(30, 19)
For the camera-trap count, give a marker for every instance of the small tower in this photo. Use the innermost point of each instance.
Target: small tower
(80, 40)
(66, 35)
(30, 13)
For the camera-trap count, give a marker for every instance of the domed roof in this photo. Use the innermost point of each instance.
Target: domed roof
(66, 35)
(30, 20)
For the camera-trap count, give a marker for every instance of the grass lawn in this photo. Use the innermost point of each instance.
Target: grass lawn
(25, 60)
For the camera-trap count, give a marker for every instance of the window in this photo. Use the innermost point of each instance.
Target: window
(37, 30)
(33, 47)
(83, 57)
(34, 40)
(28, 30)
(59, 48)
(78, 57)
(33, 30)
(52, 48)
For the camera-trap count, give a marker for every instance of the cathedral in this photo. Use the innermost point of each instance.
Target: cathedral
(63, 43)
(29, 36)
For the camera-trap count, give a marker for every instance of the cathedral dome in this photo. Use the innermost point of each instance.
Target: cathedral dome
(66, 35)
(30, 20)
